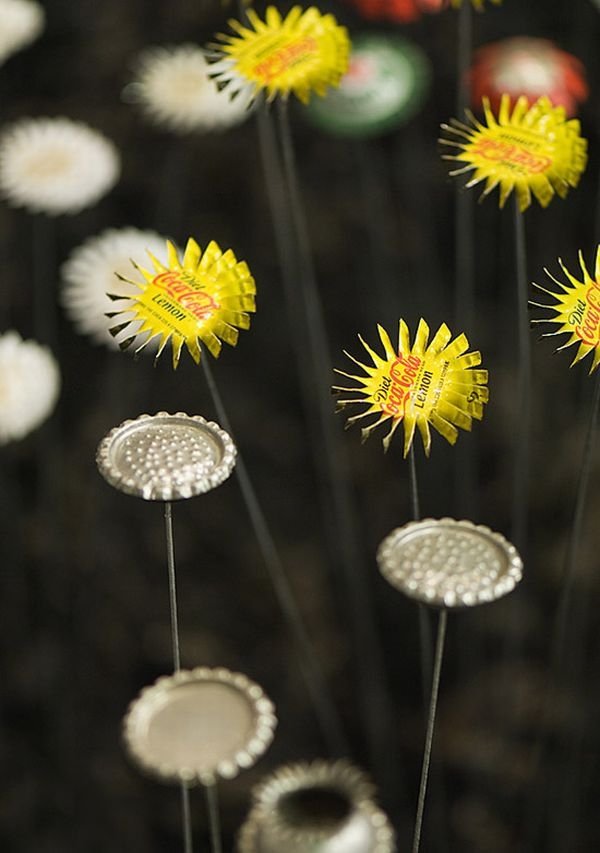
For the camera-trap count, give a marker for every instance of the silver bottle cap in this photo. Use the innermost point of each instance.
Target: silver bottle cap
(324, 807)
(166, 457)
(199, 725)
(449, 563)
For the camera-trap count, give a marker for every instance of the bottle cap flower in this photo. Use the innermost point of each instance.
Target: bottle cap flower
(166, 457)
(477, 4)
(29, 388)
(448, 563)
(204, 298)
(89, 274)
(199, 726)
(174, 88)
(533, 150)
(304, 53)
(386, 84)
(426, 384)
(576, 310)
(527, 66)
(55, 165)
(22, 23)
(399, 11)
(322, 805)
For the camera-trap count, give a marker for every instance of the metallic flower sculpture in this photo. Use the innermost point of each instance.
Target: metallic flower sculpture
(304, 53)
(576, 310)
(204, 298)
(533, 150)
(419, 385)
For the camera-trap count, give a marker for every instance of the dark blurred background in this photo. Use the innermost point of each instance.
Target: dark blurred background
(84, 619)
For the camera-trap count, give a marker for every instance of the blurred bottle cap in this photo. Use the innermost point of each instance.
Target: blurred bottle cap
(199, 725)
(385, 85)
(324, 807)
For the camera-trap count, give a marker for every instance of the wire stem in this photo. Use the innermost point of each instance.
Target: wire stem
(186, 818)
(575, 533)
(522, 460)
(323, 705)
(336, 492)
(435, 687)
(212, 804)
(172, 586)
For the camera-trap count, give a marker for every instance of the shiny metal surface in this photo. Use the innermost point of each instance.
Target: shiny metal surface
(199, 725)
(321, 807)
(166, 457)
(449, 563)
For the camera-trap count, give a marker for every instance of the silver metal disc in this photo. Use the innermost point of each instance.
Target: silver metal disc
(166, 457)
(449, 563)
(198, 725)
(324, 807)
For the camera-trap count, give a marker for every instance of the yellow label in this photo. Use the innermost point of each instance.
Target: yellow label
(178, 300)
(576, 311)
(420, 385)
(411, 384)
(202, 299)
(512, 152)
(280, 55)
(304, 52)
(530, 149)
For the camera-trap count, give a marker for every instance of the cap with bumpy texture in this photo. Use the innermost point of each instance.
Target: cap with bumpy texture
(449, 563)
(166, 457)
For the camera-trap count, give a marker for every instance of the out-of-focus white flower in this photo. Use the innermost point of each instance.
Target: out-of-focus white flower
(92, 271)
(21, 21)
(174, 88)
(29, 385)
(55, 165)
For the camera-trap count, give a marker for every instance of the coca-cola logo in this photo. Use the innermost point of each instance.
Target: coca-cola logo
(396, 387)
(193, 300)
(512, 154)
(284, 58)
(588, 330)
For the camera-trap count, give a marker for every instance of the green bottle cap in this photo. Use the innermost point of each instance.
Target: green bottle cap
(386, 83)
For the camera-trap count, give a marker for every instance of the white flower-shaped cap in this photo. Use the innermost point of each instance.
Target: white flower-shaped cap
(199, 725)
(449, 563)
(29, 386)
(22, 22)
(323, 806)
(55, 165)
(166, 457)
(174, 89)
(100, 265)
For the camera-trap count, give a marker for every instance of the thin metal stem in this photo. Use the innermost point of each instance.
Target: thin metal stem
(465, 457)
(435, 687)
(413, 484)
(537, 810)
(323, 704)
(465, 49)
(312, 353)
(464, 307)
(568, 579)
(172, 586)
(522, 460)
(186, 818)
(214, 819)
(425, 645)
